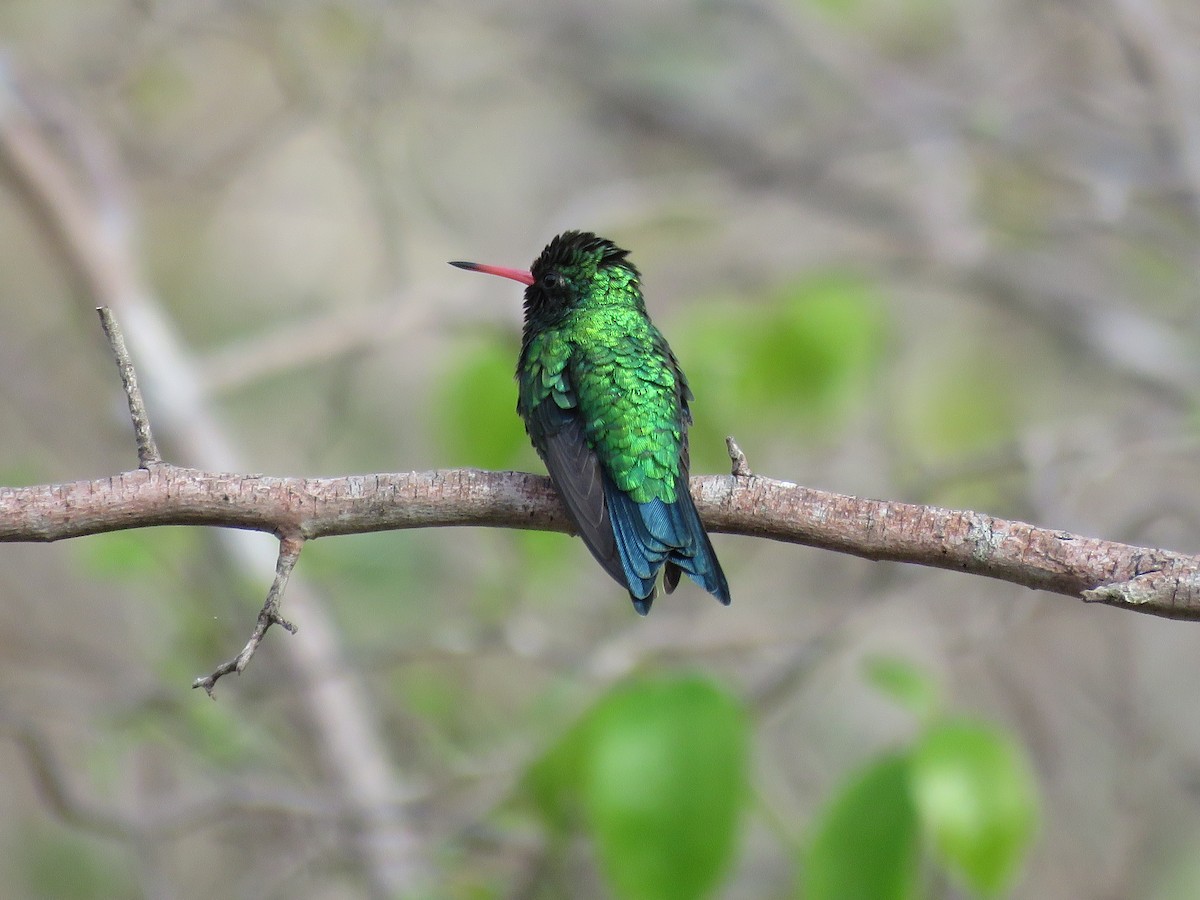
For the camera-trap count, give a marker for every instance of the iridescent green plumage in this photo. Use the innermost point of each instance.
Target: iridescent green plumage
(606, 406)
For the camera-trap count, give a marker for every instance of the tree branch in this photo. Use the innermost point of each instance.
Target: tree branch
(1160, 582)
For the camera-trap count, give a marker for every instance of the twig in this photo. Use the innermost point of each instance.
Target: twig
(741, 468)
(147, 449)
(289, 553)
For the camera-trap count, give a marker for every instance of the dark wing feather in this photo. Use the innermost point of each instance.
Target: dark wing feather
(575, 470)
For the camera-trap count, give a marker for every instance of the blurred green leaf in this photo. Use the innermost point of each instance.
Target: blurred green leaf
(664, 786)
(907, 684)
(866, 845)
(820, 336)
(804, 354)
(547, 560)
(480, 426)
(555, 782)
(124, 555)
(373, 568)
(977, 800)
(430, 692)
(659, 770)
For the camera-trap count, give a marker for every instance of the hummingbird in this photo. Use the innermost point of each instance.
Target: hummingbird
(606, 406)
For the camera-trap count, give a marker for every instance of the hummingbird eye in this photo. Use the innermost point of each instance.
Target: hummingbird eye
(551, 280)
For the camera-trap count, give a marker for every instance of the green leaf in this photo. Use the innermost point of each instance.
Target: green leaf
(555, 782)
(664, 785)
(821, 336)
(977, 800)
(866, 845)
(804, 354)
(480, 426)
(906, 684)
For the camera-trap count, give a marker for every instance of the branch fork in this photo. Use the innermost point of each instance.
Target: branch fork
(150, 459)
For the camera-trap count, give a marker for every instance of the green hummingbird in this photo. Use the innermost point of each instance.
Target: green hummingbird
(606, 407)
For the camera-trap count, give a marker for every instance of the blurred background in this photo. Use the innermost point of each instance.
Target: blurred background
(937, 251)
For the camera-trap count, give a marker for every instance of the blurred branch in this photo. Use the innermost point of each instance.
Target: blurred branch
(1167, 59)
(318, 339)
(57, 790)
(1153, 354)
(54, 781)
(79, 196)
(1160, 582)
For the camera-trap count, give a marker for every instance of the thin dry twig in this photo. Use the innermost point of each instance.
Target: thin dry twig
(289, 554)
(147, 449)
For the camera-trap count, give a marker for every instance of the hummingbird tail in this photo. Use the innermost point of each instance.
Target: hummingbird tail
(652, 535)
(700, 563)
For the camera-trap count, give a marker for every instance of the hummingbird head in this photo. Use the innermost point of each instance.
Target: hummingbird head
(576, 267)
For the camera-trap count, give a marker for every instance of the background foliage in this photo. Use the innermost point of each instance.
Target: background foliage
(938, 251)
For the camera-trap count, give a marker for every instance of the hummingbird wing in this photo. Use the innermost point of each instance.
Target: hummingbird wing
(579, 479)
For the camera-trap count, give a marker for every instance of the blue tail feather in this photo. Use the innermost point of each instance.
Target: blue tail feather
(651, 535)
